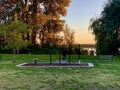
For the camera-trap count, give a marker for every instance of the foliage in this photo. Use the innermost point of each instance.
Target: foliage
(106, 28)
(14, 32)
(43, 13)
(68, 36)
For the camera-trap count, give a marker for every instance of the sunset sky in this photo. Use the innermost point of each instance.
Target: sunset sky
(78, 18)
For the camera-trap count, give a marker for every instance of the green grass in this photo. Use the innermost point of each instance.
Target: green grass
(104, 76)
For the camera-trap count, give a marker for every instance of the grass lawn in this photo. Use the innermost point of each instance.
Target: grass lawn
(103, 76)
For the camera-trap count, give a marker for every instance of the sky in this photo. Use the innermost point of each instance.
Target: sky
(78, 18)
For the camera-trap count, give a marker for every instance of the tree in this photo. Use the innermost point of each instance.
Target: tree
(68, 36)
(14, 35)
(53, 9)
(106, 28)
(7, 8)
(43, 13)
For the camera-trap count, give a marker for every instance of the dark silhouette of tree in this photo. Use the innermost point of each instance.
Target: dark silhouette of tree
(106, 28)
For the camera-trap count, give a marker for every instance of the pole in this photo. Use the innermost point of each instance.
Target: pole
(35, 61)
(50, 56)
(69, 54)
(14, 58)
(59, 55)
(79, 53)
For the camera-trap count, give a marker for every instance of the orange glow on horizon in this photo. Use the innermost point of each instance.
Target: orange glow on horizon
(84, 37)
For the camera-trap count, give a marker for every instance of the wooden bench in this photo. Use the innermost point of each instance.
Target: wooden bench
(105, 57)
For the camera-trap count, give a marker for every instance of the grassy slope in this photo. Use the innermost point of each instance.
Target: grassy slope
(104, 76)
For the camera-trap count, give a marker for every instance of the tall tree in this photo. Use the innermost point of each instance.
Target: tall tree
(53, 9)
(44, 14)
(106, 28)
(68, 36)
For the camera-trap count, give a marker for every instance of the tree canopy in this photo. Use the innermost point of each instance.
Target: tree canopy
(45, 14)
(13, 35)
(106, 28)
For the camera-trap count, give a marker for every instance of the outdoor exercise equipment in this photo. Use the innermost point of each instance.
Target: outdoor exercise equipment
(63, 52)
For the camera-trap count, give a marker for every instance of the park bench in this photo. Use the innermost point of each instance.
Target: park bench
(105, 57)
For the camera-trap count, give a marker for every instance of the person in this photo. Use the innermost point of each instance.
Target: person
(64, 53)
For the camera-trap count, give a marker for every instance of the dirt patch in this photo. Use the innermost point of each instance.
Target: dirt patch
(56, 65)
